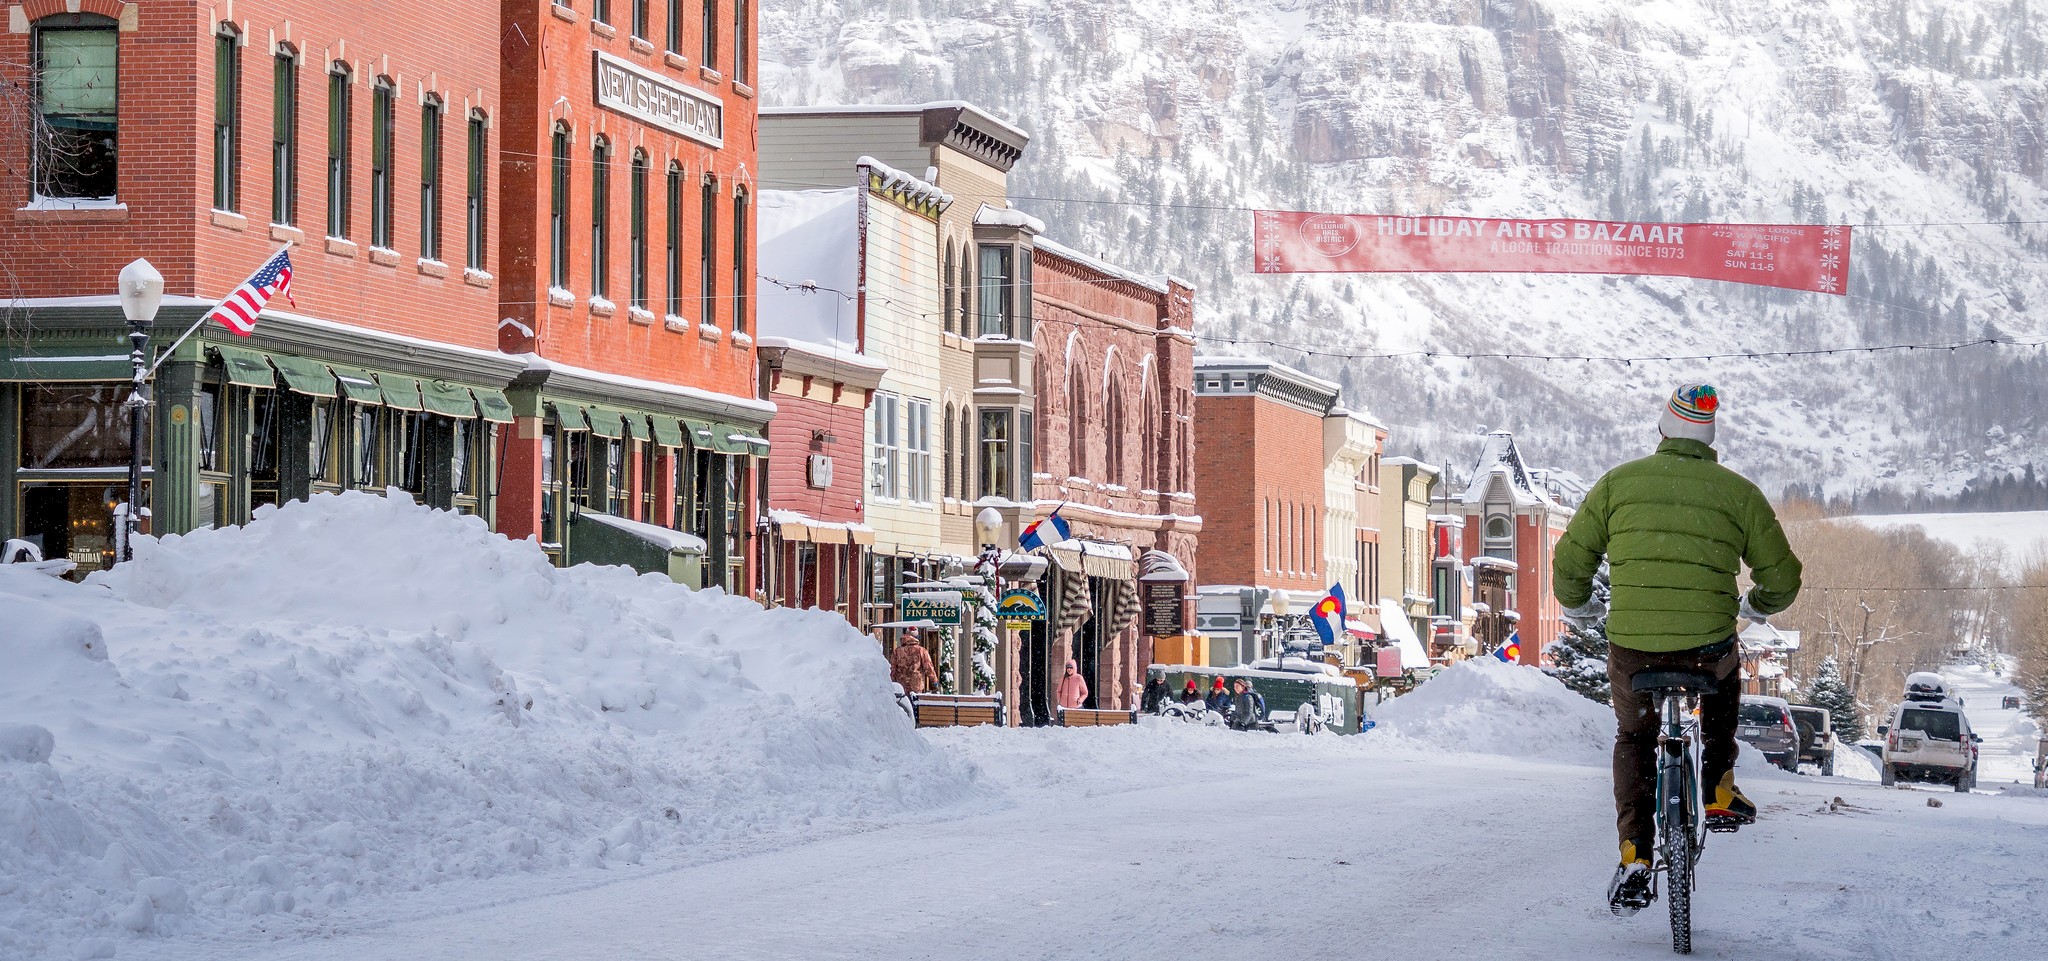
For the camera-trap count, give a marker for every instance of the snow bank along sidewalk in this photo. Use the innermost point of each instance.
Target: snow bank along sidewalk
(356, 696)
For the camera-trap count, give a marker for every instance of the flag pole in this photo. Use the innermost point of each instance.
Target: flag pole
(189, 331)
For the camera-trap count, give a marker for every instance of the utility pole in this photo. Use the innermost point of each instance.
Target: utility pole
(1856, 675)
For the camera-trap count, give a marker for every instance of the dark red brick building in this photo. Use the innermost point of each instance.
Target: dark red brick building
(1114, 453)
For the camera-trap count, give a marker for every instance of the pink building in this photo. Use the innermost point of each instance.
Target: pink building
(1516, 514)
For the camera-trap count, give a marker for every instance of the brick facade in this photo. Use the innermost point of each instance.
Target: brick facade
(1259, 474)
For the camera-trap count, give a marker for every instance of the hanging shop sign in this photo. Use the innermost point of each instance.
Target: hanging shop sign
(942, 608)
(1795, 257)
(1019, 608)
(1165, 607)
(654, 99)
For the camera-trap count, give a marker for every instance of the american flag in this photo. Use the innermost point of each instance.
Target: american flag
(242, 305)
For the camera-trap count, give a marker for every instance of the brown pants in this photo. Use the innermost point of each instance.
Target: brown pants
(1635, 734)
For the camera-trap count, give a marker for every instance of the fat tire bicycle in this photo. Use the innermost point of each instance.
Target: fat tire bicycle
(1681, 819)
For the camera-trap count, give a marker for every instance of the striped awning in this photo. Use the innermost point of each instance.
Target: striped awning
(1123, 608)
(1075, 605)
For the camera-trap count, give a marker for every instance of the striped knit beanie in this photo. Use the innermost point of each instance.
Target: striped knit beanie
(1690, 413)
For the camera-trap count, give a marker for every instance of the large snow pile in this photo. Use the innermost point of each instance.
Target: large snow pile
(357, 696)
(1487, 706)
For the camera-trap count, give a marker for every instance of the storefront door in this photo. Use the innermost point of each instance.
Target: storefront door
(74, 520)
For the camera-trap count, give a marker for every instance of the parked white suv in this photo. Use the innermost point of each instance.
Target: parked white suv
(1929, 739)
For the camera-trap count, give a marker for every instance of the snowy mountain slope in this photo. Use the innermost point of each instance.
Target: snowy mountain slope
(1157, 124)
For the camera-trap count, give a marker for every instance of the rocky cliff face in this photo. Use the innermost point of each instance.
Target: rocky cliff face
(1159, 124)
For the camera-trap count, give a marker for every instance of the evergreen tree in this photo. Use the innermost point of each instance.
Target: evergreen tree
(1827, 690)
(1581, 653)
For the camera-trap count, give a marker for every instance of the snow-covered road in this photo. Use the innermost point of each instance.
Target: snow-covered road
(1171, 842)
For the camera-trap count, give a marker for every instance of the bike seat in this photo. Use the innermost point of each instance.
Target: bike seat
(1672, 682)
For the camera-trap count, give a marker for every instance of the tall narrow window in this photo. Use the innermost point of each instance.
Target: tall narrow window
(919, 451)
(284, 140)
(946, 292)
(995, 290)
(558, 209)
(600, 218)
(675, 26)
(710, 58)
(884, 460)
(338, 134)
(1024, 462)
(965, 300)
(1023, 330)
(430, 178)
(739, 262)
(479, 183)
(383, 97)
(601, 11)
(639, 198)
(673, 217)
(640, 18)
(75, 63)
(742, 23)
(707, 259)
(227, 109)
(995, 452)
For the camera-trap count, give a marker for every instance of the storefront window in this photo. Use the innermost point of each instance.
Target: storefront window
(576, 457)
(682, 464)
(615, 478)
(550, 489)
(735, 524)
(363, 453)
(700, 507)
(73, 520)
(648, 451)
(465, 434)
(320, 443)
(265, 427)
(209, 427)
(72, 426)
(411, 428)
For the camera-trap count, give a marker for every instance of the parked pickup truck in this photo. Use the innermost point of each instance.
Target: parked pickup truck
(1816, 737)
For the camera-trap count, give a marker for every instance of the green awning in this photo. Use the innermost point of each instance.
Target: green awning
(447, 399)
(303, 376)
(757, 444)
(605, 423)
(401, 392)
(667, 431)
(730, 439)
(701, 433)
(570, 416)
(496, 407)
(245, 367)
(29, 363)
(357, 385)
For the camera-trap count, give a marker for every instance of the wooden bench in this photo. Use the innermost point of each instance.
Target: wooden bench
(957, 710)
(1085, 717)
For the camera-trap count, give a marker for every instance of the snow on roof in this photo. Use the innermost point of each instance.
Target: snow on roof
(652, 533)
(1398, 630)
(832, 352)
(809, 239)
(1499, 562)
(1226, 361)
(1500, 458)
(917, 187)
(902, 108)
(1100, 265)
(988, 215)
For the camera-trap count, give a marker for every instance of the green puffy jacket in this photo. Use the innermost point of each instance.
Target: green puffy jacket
(1675, 527)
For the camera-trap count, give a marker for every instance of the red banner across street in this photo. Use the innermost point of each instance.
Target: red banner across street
(1814, 258)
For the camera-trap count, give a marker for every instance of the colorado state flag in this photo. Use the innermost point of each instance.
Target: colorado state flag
(1329, 614)
(1511, 652)
(1052, 530)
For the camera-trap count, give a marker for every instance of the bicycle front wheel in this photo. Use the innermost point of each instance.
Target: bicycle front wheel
(1679, 859)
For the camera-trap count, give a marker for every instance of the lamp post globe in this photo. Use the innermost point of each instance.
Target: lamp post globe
(987, 523)
(140, 287)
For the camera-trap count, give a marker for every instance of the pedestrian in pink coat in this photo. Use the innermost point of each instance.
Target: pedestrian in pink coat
(1073, 690)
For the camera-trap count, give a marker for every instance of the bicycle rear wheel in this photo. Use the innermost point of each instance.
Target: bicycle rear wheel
(1679, 859)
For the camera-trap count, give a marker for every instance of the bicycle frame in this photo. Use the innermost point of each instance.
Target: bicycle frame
(1678, 756)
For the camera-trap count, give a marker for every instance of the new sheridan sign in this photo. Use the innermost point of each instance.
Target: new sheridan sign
(654, 99)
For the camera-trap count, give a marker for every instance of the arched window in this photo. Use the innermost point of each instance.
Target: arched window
(707, 254)
(1077, 420)
(558, 208)
(964, 450)
(600, 217)
(963, 301)
(1113, 467)
(946, 456)
(946, 290)
(741, 205)
(638, 189)
(76, 72)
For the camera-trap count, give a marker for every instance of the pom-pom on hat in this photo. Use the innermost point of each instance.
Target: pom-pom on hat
(1690, 413)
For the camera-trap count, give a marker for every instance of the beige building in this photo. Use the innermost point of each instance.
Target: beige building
(1405, 550)
(1352, 505)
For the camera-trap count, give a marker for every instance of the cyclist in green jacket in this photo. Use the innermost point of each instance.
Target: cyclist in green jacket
(1675, 529)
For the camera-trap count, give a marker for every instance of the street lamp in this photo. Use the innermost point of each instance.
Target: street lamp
(141, 292)
(1281, 603)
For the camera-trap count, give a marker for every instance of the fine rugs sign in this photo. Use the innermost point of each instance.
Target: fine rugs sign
(1812, 258)
(654, 99)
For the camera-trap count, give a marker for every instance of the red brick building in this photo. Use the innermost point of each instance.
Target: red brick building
(1512, 514)
(1259, 473)
(1113, 452)
(415, 173)
(628, 219)
(203, 137)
